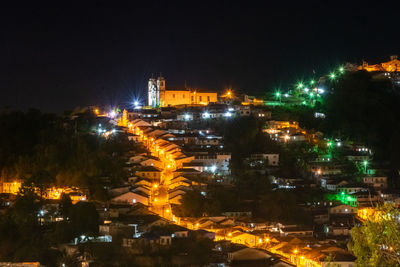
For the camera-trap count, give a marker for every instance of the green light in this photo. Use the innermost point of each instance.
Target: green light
(278, 94)
(330, 144)
(332, 75)
(300, 85)
(346, 199)
(311, 94)
(312, 82)
(341, 70)
(365, 163)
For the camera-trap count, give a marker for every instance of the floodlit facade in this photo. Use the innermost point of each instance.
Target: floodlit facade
(10, 187)
(390, 66)
(159, 96)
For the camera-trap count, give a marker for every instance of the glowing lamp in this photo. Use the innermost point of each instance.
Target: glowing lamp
(113, 114)
(213, 168)
(228, 114)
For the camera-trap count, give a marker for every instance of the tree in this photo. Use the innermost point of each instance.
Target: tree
(65, 206)
(192, 204)
(41, 179)
(84, 219)
(377, 241)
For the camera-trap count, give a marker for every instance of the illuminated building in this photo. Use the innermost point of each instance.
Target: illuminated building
(124, 119)
(366, 213)
(11, 187)
(159, 96)
(390, 66)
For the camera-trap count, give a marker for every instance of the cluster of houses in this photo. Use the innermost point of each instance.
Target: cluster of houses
(289, 131)
(180, 159)
(200, 112)
(265, 241)
(238, 239)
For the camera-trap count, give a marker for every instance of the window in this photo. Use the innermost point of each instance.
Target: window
(200, 98)
(192, 98)
(183, 96)
(208, 98)
(173, 95)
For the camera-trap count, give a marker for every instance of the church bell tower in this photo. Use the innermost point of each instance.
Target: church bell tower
(161, 91)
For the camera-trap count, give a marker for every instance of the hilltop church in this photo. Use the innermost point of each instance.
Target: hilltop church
(390, 66)
(159, 96)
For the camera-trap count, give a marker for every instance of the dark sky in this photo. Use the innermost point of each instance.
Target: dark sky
(58, 58)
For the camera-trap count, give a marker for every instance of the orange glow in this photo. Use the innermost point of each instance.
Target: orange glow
(167, 211)
(11, 187)
(228, 94)
(367, 213)
(295, 251)
(155, 185)
(229, 234)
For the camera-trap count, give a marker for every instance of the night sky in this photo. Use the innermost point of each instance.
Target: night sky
(56, 59)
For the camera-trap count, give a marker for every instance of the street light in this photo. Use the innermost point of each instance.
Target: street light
(278, 95)
(300, 85)
(365, 163)
(341, 70)
(332, 76)
(113, 114)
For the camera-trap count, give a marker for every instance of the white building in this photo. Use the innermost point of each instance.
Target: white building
(343, 209)
(132, 198)
(376, 182)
